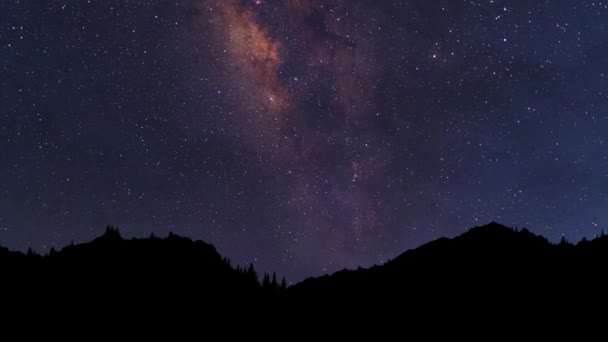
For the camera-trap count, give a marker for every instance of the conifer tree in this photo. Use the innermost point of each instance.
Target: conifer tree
(266, 281)
(274, 283)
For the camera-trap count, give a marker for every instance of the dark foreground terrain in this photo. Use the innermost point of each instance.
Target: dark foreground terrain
(490, 272)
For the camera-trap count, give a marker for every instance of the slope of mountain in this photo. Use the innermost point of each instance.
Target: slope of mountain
(487, 270)
(142, 275)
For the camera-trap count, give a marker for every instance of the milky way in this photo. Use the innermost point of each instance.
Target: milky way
(304, 136)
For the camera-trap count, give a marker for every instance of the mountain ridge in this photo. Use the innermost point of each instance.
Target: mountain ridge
(485, 234)
(490, 261)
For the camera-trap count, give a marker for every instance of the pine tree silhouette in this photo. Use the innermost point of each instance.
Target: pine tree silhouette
(252, 273)
(266, 281)
(274, 285)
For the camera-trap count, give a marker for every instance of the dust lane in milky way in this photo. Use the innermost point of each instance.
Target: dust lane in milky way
(304, 136)
(301, 148)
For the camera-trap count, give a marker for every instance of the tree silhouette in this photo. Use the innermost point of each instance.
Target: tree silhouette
(274, 285)
(253, 275)
(266, 281)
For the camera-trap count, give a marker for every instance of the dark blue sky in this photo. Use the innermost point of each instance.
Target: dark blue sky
(302, 135)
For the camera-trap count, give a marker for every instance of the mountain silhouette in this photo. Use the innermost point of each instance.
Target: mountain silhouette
(131, 277)
(488, 270)
(488, 274)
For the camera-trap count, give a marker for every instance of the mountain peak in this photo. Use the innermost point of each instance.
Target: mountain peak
(492, 228)
(111, 234)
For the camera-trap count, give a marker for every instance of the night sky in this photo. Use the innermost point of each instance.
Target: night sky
(304, 136)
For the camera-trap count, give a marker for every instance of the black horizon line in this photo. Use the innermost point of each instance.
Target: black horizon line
(111, 229)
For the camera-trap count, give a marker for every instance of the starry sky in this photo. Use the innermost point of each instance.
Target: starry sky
(304, 136)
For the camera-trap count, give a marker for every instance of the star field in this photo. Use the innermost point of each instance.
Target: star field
(304, 136)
